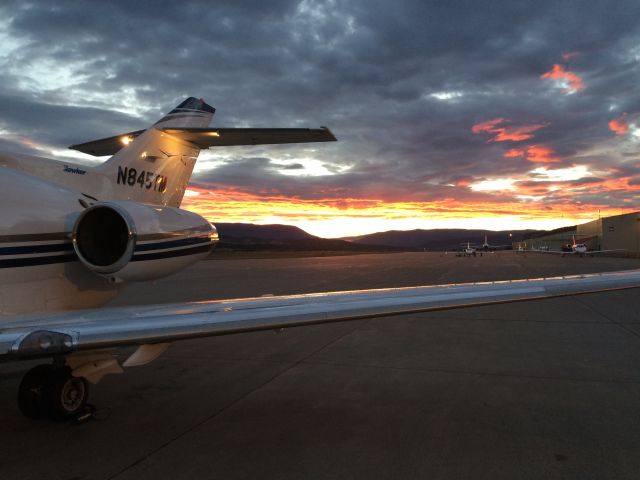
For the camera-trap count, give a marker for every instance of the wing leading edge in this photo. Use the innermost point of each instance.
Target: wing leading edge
(588, 252)
(34, 336)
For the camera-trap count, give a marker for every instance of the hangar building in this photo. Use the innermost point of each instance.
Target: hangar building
(611, 233)
(619, 232)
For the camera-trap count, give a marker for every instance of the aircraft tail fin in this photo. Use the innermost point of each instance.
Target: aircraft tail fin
(153, 166)
(192, 113)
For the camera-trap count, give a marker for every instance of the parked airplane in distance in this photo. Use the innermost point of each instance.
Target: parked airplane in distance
(486, 246)
(71, 236)
(467, 251)
(580, 249)
(471, 250)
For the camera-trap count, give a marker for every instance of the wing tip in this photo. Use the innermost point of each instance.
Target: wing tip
(330, 136)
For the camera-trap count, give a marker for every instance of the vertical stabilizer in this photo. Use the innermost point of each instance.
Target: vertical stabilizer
(155, 166)
(192, 113)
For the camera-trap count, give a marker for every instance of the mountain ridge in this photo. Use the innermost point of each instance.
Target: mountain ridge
(441, 238)
(246, 236)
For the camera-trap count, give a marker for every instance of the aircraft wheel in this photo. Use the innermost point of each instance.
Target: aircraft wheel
(67, 395)
(49, 391)
(32, 392)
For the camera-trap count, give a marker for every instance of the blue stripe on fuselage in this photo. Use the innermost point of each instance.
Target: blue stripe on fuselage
(172, 253)
(40, 248)
(183, 242)
(35, 261)
(152, 251)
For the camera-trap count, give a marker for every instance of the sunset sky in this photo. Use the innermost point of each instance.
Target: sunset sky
(456, 114)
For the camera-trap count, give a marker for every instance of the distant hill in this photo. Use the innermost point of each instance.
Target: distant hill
(439, 239)
(541, 233)
(247, 236)
(250, 237)
(262, 232)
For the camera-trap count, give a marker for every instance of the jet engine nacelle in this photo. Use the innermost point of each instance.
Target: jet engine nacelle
(129, 241)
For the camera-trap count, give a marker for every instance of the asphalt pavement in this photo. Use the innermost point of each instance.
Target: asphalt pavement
(545, 389)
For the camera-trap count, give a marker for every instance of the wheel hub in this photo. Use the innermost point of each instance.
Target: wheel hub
(72, 394)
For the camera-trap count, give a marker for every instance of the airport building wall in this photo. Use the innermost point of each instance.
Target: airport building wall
(590, 233)
(619, 232)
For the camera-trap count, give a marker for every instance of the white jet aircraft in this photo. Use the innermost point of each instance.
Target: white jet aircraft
(574, 248)
(468, 250)
(71, 236)
(486, 246)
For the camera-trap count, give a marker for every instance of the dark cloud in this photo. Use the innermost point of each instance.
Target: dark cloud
(293, 166)
(59, 125)
(401, 84)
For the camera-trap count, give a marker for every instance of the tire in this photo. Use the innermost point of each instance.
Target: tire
(66, 395)
(32, 392)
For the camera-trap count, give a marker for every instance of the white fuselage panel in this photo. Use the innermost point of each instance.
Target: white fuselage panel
(38, 269)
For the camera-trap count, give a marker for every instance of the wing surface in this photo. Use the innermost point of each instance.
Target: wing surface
(588, 252)
(225, 137)
(591, 252)
(214, 137)
(105, 146)
(547, 251)
(37, 335)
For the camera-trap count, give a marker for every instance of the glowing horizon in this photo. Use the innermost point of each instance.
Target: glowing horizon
(335, 218)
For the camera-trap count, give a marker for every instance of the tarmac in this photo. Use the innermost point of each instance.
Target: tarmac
(547, 389)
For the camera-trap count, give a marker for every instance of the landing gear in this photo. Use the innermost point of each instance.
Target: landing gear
(51, 391)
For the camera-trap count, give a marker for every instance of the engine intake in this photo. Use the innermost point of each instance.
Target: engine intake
(103, 239)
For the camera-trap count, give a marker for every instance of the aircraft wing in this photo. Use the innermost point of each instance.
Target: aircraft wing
(41, 336)
(591, 252)
(214, 137)
(588, 252)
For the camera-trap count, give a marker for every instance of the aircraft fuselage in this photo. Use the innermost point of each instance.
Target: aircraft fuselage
(38, 268)
(40, 203)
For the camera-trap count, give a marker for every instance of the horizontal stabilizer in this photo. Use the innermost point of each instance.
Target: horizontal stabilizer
(214, 137)
(106, 146)
(226, 137)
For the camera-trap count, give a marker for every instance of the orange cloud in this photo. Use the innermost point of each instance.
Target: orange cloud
(333, 217)
(571, 81)
(619, 126)
(534, 153)
(541, 154)
(502, 132)
(514, 153)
